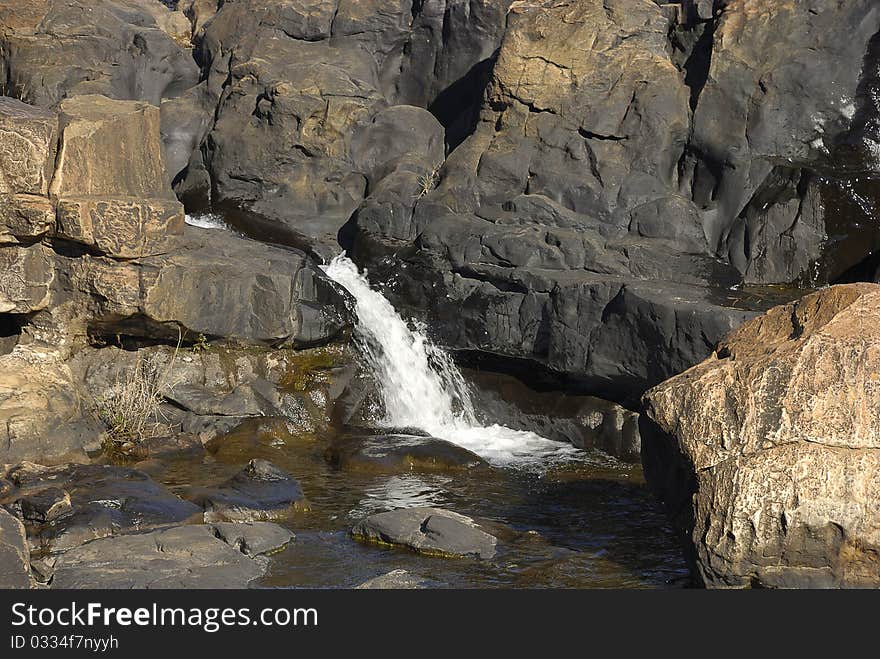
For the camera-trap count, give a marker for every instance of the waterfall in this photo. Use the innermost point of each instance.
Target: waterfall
(421, 386)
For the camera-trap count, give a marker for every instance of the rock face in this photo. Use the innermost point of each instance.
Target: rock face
(768, 453)
(631, 163)
(584, 421)
(53, 49)
(44, 414)
(548, 222)
(28, 140)
(93, 247)
(430, 531)
(15, 565)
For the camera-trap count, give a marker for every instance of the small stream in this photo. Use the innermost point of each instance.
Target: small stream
(564, 517)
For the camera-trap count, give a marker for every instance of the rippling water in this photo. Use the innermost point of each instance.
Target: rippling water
(590, 523)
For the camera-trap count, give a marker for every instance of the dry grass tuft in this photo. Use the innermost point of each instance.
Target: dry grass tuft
(132, 408)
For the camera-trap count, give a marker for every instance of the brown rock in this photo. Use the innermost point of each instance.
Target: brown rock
(26, 276)
(42, 415)
(27, 147)
(120, 227)
(110, 149)
(25, 216)
(768, 452)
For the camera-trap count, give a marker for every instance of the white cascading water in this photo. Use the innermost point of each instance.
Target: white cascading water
(422, 388)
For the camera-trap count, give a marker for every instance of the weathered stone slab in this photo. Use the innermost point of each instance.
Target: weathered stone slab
(15, 569)
(25, 216)
(27, 147)
(110, 148)
(120, 227)
(431, 531)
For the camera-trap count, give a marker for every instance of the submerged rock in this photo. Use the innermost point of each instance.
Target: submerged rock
(179, 557)
(400, 453)
(261, 491)
(767, 454)
(15, 568)
(430, 531)
(394, 580)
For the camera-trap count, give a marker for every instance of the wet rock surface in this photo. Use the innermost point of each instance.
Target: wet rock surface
(261, 491)
(584, 421)
(400, 454)
(67, 506)
(179, 557)
(767, 453)
(253, 538)
(431, 531)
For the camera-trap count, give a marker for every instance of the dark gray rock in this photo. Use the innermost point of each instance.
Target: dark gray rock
(598, 234)
(430, 531)
(179, 557)
(186, 120)
(254, 538)
(787, 117)
(15, 569)
(400, 454)
(59, 48)
(65, 507)
(261, 491)
(584, 421)
(213, 283)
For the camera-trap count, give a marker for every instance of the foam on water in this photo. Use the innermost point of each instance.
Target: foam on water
(206, 221)
(421, 386)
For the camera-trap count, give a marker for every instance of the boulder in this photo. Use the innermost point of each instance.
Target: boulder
(767, 454)
(400, 454)
(120, 227)
(178, 557)
(260, 492)
(429, 531)
(71, 505)
(213, 283)
(15, 565)
(43, 414)
(113, 190)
